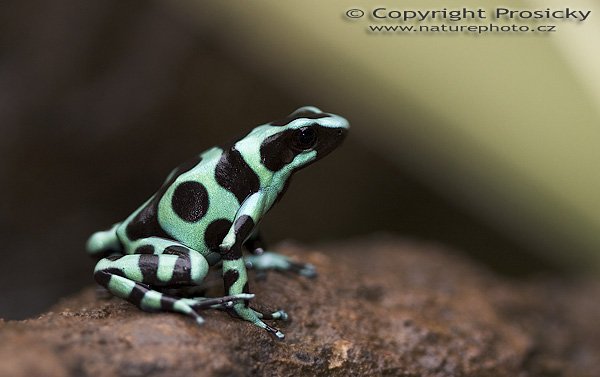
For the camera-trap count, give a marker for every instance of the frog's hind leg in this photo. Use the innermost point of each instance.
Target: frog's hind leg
(132, 276)
(262, 260)
(274, 261)
(103, 243)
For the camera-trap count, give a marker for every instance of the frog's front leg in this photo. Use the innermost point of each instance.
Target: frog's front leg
(235, 276)
(159, 263)
(263, 260)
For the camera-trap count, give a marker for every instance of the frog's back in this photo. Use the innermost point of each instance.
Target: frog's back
(198, 208)
(196, 204)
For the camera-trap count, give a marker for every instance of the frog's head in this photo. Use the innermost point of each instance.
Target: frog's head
(303, 137)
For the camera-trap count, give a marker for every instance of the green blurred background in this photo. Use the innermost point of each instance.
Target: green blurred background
(487, 144)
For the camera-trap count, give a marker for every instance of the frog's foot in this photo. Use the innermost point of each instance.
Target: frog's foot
(274, 261)
(145, 298)
(276, 315)
(242, 311)
(272, 331)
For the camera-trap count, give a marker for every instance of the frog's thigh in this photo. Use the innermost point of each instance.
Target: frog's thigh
(156, 262)
(128, 276)
(168, 263)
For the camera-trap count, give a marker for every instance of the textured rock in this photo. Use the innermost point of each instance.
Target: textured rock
(379, 307)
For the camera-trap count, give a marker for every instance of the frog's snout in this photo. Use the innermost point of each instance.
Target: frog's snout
(342, 125)
(342, 130)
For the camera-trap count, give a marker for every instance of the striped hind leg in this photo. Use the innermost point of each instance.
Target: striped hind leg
(132, 277)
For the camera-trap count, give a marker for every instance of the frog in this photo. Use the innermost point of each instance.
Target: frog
(206, 214)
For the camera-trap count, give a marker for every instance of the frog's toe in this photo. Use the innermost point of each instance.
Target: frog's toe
(279, 315)
(182, 307)
(279, 335)
(203, 303)
(274, 332)
(199, 320)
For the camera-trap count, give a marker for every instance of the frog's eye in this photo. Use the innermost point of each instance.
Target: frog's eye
(304, 138)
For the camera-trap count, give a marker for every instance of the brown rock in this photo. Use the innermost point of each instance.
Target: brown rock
(378, 307)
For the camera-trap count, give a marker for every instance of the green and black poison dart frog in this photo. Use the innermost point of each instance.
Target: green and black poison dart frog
(206, 211)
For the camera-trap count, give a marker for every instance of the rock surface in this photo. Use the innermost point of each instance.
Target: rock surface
(379, 307)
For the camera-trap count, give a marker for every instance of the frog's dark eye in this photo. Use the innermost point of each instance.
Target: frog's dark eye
(304, 138)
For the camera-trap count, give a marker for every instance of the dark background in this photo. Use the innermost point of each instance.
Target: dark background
(100, 100)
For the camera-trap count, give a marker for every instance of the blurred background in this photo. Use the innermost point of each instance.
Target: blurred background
(487, 144)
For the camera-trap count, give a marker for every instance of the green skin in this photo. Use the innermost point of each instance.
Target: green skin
(205, 213)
